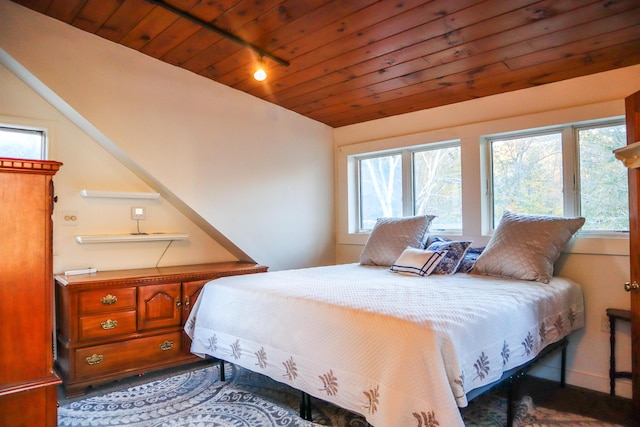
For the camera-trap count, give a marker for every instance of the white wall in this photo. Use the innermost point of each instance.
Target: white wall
(87, 165)
(258, 175)
(600, 265)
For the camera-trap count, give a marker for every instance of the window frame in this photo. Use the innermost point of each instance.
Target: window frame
(23, 128)
(358, 175)
(570, 166)
(407, 172)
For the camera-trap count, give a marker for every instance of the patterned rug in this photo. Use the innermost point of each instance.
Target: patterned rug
(197, 398)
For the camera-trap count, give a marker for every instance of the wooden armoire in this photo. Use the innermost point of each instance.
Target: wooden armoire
(27, 379)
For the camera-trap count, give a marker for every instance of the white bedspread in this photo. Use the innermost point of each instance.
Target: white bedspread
(401, 350)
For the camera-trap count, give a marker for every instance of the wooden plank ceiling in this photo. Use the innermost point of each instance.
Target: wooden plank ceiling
(351, 61)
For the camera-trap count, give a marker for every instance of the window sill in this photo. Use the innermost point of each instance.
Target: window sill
(584, 244)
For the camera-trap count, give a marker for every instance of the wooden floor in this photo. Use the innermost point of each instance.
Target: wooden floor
(589, 403)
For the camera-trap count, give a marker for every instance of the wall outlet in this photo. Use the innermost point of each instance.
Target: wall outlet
(604, 324)
(69, 218)
(138, 213)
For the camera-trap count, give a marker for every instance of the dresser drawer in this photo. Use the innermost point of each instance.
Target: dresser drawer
(101, 300)
(135, 353)
(106, 325)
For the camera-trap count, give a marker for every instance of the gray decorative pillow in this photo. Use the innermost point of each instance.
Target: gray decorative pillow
(455, 253)
(526, 246)
(391, 236)
(417, 261)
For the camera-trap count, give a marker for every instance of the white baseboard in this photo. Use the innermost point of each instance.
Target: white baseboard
(584, 380)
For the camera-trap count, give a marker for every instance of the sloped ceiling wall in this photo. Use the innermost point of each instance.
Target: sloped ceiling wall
(260, 175)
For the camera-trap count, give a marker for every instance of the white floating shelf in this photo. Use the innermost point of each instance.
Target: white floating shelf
(118, 238)
(119, 194)
(629, 155)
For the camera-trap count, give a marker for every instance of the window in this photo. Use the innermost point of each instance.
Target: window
(437, 186)
(418, 181)
(567, 171)
(22, 143)
(380, 189)
(527, 175)
(604, 200)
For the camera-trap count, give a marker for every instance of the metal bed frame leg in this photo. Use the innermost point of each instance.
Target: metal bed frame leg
(510, 395)
(513, 381)
(563, 367)
(305, 406)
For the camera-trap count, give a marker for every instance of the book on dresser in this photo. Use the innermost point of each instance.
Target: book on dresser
(115, 324)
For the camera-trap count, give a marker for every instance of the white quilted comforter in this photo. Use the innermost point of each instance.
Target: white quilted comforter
(401, 350)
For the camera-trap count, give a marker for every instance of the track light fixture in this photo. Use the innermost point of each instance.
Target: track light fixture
(260, 73)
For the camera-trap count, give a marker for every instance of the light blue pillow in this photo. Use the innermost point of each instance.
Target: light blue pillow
(456, 251)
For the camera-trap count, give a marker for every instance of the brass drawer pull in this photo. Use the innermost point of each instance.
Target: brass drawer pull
(109, 324)
(167, 345)
(109, 299)
(94, 359)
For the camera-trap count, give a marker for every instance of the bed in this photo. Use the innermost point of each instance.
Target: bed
(402, 349)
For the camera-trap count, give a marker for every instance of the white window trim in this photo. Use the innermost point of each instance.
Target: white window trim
(570, 163)
(40, 125)
(473, 172)
(408, 205)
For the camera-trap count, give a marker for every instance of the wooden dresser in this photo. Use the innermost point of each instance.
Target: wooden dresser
(27, 380)
(115, 324)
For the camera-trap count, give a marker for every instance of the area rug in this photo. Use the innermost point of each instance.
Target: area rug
(197, 398)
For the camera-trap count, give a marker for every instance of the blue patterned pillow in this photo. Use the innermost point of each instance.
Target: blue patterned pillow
(470, 259)
(455, 253)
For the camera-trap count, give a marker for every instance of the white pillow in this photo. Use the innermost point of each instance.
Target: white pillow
(526, 246)
(417, 261)
(390, 236)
